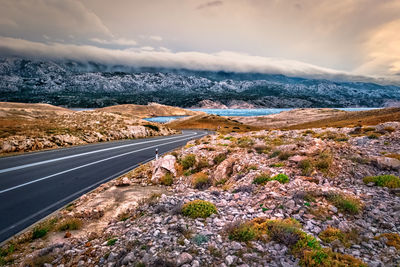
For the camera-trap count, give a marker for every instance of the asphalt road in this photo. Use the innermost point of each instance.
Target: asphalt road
(36, 184)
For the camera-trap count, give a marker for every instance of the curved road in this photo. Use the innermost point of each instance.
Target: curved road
(36, 184)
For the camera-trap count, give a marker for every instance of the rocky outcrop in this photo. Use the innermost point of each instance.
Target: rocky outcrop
(163, 166)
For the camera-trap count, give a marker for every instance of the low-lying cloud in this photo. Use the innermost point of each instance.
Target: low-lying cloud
(221, 61)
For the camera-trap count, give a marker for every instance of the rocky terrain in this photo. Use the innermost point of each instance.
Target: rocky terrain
(290, 118)
(30, 127)
(80, 84)
(312, 197)
(149, 110)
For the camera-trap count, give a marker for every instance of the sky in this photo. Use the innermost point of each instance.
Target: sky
(319, 38)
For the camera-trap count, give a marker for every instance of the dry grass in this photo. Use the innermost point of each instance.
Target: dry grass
(211, 122)
(351, 119)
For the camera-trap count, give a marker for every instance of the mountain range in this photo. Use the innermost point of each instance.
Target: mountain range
(77, 84)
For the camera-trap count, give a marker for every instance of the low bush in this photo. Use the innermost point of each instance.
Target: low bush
(372, 136)
(325, 257)
(306, 166)
(261, 179)
(282, 178)
(245, 142)
(277, 165)
(167, 179)
(260, 149)
(201, 164)
(198, 209)
(346, 204)
(275, 153)
(241, 231)
(112, 241)
(188, 161)
(393, 239)
(390, 181)
(331, 234)
(200, 181)
(284, 155)
(69, 224)
(219, 158)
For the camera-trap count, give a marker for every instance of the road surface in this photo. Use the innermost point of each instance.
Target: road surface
(36, 184)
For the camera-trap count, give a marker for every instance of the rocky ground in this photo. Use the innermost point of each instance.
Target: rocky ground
(281, 198)
(30, 127)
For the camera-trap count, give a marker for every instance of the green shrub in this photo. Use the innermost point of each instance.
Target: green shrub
(331, 234)
(245, 142)
(282, 178)
(198, 209)
(261, 179)
(69, 224)
(112, 241)
(345, 204)
(373, 136)
(39, 232)
(275, 153)
(153, 127)
(306, 166)
(188, 161)
(389, 181)
(242, 232)
(219, 158)
(277, 165)
(201, 181)
(167, 179)
(201, 164)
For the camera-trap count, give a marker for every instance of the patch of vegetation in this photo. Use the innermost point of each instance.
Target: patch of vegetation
(43, 228)
(275, 153)
(219, 158)
(201, 164)
(282, 178)
(277, 165)
(390, 181)
(252, 167)
(5, 254)
(331, 234)
(167, 179)
(201, 181)
(221, 182)
(372, 136)
(200, 239)
(284, 155)
(346, 204)
(241, 231)
(188, 161)
(394, 156)
(153, 127)
(393, 239)
(324, 162)
(245, 142)
(69, 224)
(112, 241)
(262, 179)
(325, 257)
(306, 166)
(261, 149)
(198, 209)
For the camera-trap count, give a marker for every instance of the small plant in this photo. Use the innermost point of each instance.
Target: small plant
(393, 239)
(306, 166)
(324, 162)
(244, 142)
(200, 239)
(221, 182)
(201, 164)
(69, 224)
(373, 136)
(345, 204)
(252, 167)
(284, 155)
(275, 153)
(260, 149)
(241, 231)
(394, 156)
(112, 241)
(219, 158)
(390, 181)
(282, 178)
(188, 161)
(331, 234)
(277, 165)
(167, 179)
(153, 127)
(200, 181)
(198, 209)
(261, 179)
(39, 232)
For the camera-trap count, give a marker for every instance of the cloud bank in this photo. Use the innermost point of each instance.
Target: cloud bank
(146, 57)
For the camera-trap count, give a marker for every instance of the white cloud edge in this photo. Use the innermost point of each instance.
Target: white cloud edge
(221, 61)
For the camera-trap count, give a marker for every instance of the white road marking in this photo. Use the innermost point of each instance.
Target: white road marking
(86, 153)
(92, 163)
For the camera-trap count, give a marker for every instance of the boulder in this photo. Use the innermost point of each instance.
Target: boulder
(123, 182)
(162, 166)
(387, 163)
(224, 169)
(297, 158)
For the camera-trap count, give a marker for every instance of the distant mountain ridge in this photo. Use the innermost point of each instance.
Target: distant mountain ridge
(75, 84)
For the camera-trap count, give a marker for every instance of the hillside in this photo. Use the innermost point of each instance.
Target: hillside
(29, 127)
(211, 122)
(77, 84)
(289, 118)
(150, 110)
(351, 119)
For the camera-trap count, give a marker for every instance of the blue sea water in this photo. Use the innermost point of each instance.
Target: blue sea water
(239, 112)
